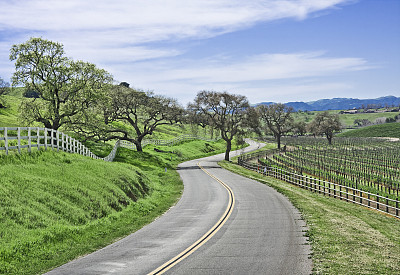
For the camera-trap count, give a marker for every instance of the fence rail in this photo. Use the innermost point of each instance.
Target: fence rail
(12, 138)
(342, 192)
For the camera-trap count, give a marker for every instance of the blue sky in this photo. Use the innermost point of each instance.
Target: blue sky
(268, 50)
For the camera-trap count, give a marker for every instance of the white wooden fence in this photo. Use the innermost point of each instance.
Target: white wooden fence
(18, 138)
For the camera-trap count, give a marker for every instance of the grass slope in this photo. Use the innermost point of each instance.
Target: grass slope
(9, 115)
(57, 206)
(345, 238)
(381, 130)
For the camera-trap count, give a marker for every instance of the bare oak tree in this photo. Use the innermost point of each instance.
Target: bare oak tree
(227, 112)
(278, 118)
(130, 115)
(325, 124)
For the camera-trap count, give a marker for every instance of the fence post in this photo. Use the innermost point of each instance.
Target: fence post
(329, 189)
(52, 138)
(319, 186)
(397, 207)
(6, 140)
(58, 140)
(38, 137)
(62, 141)
(45, 138)
(387, 205)
(29, 140)
(19, 139)
(377, 201)
(334, 191)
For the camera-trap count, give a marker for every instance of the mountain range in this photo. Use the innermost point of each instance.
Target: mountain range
(341, 103)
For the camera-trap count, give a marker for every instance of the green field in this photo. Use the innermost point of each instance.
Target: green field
(345, 119)
(345, 238)
(57, 206)
(380, 130)
(9, 115)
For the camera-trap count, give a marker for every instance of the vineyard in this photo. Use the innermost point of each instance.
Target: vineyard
(366, 169)
(367, 164)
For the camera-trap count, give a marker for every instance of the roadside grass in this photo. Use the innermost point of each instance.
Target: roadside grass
(57, 206)
(381, 130)
(345, 238)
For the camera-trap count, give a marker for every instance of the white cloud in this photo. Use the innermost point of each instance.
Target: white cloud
(276, 74)
(111, 25)
(147, 18)
(123, 37)
(255, 68)
(261, 67)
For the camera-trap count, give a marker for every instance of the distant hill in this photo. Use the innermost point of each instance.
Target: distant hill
(341, 103)
(380, 130)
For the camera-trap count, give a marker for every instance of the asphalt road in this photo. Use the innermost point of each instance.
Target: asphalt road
(263, 234)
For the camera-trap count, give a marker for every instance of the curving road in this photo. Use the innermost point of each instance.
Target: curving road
(263, 234)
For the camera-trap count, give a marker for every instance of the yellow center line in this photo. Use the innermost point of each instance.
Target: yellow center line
(163, 268)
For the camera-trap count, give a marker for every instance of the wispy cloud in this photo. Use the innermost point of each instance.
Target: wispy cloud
(260, 67)
(112, 24)
(156, 19)
(132, 40)
(295, 72)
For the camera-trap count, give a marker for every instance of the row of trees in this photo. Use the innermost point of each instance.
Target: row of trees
(279, 121)
(80, 97)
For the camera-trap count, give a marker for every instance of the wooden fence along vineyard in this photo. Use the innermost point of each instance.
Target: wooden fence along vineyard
(26, 138)
(362, 171)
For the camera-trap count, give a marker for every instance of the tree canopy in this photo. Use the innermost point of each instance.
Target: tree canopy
(278, 118)
(65, 87)
(325, 124)
(129, 114)
(226, 112)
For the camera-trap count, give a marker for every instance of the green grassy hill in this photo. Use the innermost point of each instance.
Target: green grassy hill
(9, 115)
(57, 206)
(345, 119)
(53, 203)
(381, 130)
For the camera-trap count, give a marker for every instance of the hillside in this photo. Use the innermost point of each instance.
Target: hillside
(381, 130)
(9, 115)
(340, 103)
(50, 201)
(57, 206)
